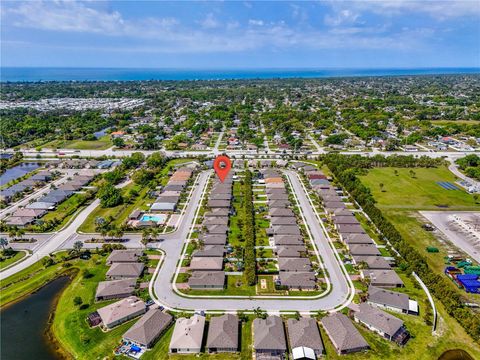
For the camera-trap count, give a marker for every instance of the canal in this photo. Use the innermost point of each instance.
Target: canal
(17, 172)
(24, 323)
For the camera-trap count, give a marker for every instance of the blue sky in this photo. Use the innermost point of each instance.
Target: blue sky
(242, 34)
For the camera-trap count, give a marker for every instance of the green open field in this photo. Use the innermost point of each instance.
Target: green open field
(421, 192)
(101, 144)
(402, 198)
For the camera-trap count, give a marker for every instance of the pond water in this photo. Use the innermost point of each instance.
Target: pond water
(456, 354)
(23, 325)
(17, 172)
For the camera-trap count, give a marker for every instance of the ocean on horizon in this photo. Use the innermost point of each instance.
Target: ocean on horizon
(31, 74)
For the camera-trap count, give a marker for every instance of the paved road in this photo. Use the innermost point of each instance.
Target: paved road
(173, 248)
(32, 153)
(55, 240)
(454, 169)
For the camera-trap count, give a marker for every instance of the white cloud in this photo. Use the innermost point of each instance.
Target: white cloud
(168, 35)
(255, 22)
(437, 9)
(210, 22)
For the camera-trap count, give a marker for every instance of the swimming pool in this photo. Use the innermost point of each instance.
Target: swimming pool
(160, 218)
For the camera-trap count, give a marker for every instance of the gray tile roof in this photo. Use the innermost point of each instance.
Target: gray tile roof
(379, 319)
(124, 256)
(223, 332)
(111, 289)
(383, 277)
(149, 327)
(206, 263)
(388, 298)
(291, 251)
(207, 279)
(269, 334)
(210, 251)
(364, 249)
(343, 333)
(304, 332)
(373, 262)
(294, 264)
(297, 280)
(125, 270)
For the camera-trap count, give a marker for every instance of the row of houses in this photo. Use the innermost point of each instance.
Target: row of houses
(270, 336)
(295, 268)
(15, 191)
(125, 269)
(208, 261)
(360, 245)
(35, 210)
(170, 196)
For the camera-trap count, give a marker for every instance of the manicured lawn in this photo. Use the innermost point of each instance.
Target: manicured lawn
(421, 192)
(120, 212)
(13, 259)
(100, 144)
(231, 289)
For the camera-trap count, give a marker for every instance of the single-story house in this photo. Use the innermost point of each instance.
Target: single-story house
(116, 289)
(210, 251)
(163, 206)
(381, 322)
(294, 264)
(218, 204)
(284, 220)
(297, 280)
(206, 263)
(121, 311)
(278, 203)
(214, 239)
(149, 328)
(269, 337)
(120, 271)
(41, 205)
(280, 212)
(364, 250)
(291, 251)
(391, 300)
(207, 280)
(19, 221)
(217, 229)
(350, 229)
(219, 220)
(304, 333)
(372, 262)
(187, 335)
(281, 240)
(124, 256)
(223, 334)
(351, 239)
(382, 278)
(343, 334)
(285, 230)
(217, 212)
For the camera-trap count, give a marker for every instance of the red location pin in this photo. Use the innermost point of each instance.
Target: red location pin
(222, 166)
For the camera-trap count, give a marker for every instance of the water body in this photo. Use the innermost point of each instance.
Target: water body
(23, 325)
(457, 354)
(31, 74)
(17, 172)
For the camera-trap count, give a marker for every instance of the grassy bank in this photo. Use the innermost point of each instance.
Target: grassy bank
(19, 255)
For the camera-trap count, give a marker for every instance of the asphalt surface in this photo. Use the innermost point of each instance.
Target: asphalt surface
(163, 287)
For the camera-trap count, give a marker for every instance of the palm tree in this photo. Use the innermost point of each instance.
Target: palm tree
(381, 187)
(12, 232)
(104, 232)
(146, 236)
(20, 232)
(3, 242)
(118, 233)
(154, 234)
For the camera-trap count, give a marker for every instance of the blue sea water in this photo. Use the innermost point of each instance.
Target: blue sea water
(31, 74)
